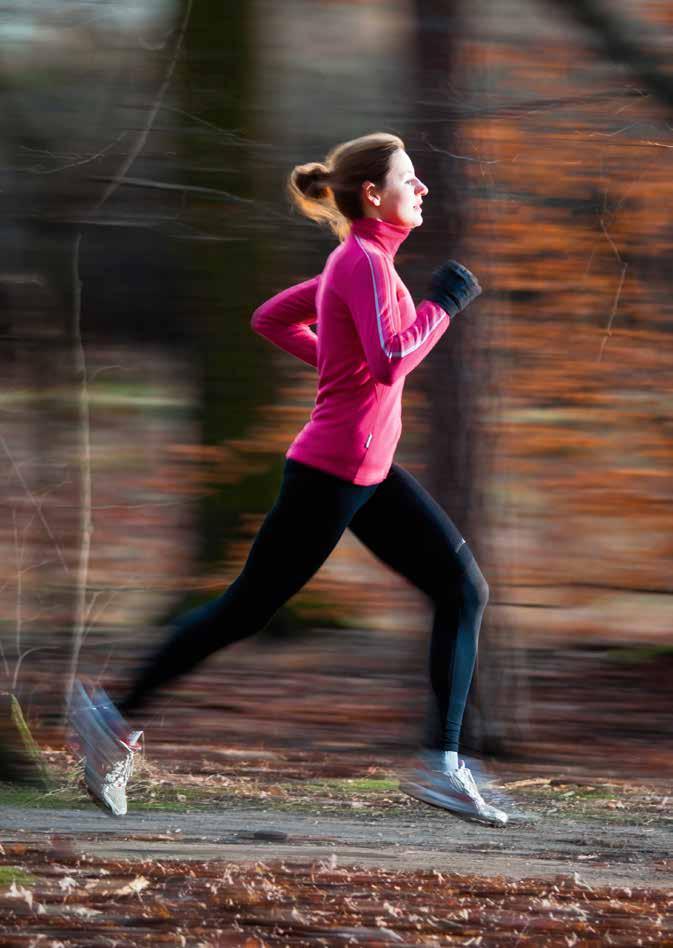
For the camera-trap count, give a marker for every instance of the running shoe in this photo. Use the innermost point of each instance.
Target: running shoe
(107, 744)
(436, 760)
(455, 791)
(493, 793)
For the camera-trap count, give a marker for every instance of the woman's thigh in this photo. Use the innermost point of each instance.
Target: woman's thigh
(312, 511)
(405, 527)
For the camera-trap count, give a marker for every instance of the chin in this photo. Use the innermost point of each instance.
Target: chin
(414, 219)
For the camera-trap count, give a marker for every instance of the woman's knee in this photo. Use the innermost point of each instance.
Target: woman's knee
(466, 582)
(458, 581)
(478, 590)
(475, 589)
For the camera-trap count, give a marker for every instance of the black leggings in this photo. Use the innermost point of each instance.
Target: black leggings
(400, 523)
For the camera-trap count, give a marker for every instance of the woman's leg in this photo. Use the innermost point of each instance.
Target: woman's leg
(408, 530)
(309, 516)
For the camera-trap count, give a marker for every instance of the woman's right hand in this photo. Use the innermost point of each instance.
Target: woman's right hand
(453, 287)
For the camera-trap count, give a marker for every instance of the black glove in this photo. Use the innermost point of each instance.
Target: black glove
(453, 287)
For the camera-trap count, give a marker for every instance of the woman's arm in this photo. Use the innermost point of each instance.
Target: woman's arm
(285, 320)
(373, 302)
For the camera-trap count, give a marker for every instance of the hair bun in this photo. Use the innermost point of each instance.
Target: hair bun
(313, 179)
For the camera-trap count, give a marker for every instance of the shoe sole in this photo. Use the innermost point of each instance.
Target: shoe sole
(425, 795)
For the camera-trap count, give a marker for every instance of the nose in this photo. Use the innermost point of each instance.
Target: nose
(421, 189)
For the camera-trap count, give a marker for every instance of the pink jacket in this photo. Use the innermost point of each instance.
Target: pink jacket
(369, 337)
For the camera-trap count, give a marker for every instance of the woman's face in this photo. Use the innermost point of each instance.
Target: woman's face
(399, 200)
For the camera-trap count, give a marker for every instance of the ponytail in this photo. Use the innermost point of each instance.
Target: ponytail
(330, 192)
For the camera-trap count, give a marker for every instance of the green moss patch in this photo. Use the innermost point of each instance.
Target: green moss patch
(12, 874)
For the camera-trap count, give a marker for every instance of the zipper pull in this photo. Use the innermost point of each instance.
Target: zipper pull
(369, 440)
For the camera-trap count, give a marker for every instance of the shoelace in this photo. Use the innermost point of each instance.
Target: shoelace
(119, 773)
(468, 780)
(465, 777)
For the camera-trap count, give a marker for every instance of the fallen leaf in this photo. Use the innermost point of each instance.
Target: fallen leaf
(20, 892)
(134, 887)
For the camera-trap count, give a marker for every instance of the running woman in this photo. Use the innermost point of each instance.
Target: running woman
(339, 471)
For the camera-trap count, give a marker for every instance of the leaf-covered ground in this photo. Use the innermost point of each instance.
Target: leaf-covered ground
(286, 782)
(255, 857)
(295, 798)
(59, 899)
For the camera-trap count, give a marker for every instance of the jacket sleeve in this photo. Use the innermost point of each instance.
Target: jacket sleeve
(372, 299)
(285, 320)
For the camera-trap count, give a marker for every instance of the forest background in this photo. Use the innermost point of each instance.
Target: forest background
(145, 148)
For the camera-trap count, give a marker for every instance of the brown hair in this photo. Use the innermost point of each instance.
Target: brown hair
(330, 192)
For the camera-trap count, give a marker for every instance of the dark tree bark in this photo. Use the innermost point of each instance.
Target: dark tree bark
(235, 367)
(616, 37)
(457, 376)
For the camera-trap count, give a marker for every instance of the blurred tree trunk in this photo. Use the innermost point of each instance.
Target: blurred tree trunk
(457, 376)
(219, 53)
(236, 372)
(461, 377)
(621, 40)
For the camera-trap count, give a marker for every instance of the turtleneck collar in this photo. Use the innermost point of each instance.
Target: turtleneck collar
(386, 235)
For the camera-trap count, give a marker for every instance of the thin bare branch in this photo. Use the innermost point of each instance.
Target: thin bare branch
(84, 432)
(615, 305)
(227, 133)
(19, 662)
(18, 554)
(81, 161)
(92, 620)
(610, 240)
(4, 660)
(92, 603)
(35, 502)
(170, 186)
(655, 144)
(449, 154)
(151, 117)
(612, 134)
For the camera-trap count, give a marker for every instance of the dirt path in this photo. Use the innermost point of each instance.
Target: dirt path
(340, 862)
(545, 847)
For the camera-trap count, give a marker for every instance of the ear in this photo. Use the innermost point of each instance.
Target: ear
(370, 193)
